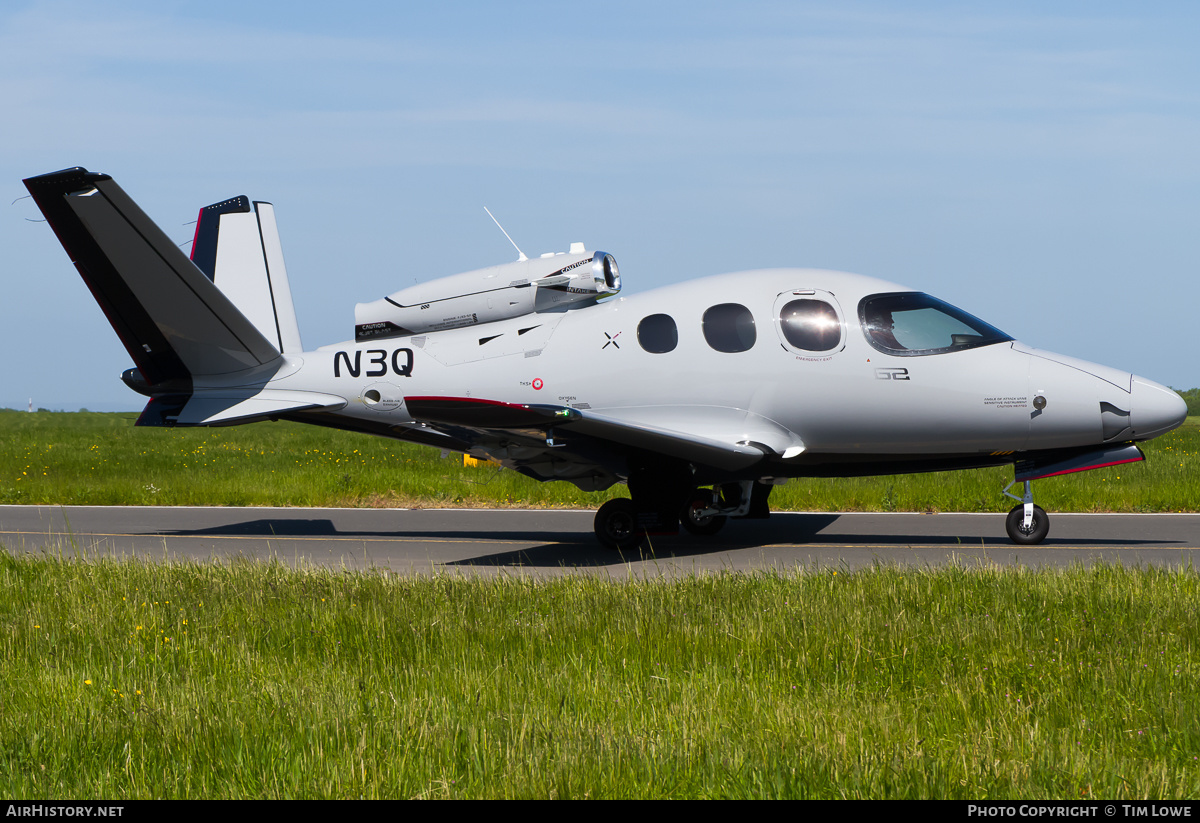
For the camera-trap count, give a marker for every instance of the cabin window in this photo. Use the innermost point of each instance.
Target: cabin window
(811, 325)
(658, 334)
(911, 323)
(729, 327)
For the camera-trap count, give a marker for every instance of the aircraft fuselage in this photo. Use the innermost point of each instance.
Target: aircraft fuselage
(851, 399)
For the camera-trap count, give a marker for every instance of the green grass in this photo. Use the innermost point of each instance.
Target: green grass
(101, 459)
(90, 458)
(129, 679)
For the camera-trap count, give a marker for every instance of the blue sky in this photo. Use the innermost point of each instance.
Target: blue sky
(1037, 164)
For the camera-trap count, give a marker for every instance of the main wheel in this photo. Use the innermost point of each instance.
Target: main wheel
(1039, 527)
(616, 525)
(701, 524)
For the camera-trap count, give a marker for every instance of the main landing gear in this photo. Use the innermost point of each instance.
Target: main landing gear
(701, 514)
(657, 508)
(616, 525)
(1027, 524)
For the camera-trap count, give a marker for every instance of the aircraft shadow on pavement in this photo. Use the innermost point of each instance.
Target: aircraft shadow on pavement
(326, 528)
(555, 547)
(751, 533)
(583, 549)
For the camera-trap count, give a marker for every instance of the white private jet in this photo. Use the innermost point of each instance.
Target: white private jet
(699, 396)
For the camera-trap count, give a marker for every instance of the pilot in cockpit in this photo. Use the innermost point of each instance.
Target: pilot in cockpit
(881, 328)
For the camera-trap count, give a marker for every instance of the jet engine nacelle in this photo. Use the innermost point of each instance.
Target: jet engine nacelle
(491, 294)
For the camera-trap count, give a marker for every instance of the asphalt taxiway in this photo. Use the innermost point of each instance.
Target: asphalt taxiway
(552, 542)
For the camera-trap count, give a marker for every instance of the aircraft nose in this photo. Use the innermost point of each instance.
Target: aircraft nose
(1155, 410)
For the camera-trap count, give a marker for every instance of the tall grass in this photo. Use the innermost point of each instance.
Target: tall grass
(125, 680)
(101, 459)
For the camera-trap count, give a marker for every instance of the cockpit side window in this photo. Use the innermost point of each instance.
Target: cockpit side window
(912, 323)
(729, 327)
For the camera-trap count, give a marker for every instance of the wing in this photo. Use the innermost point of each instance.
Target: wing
(589, 447)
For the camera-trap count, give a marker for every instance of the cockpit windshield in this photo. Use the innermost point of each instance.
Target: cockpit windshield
(912, 323)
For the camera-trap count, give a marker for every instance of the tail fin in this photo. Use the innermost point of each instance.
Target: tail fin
(240, 252)
(201, 361)
(174, 322)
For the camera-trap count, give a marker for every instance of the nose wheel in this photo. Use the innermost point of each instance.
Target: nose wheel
(1028, 523)
(1034, 532)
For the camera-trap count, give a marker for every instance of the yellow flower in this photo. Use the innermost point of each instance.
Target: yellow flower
(87, 682)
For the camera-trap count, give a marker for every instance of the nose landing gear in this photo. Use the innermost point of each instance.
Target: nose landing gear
(1027, 524)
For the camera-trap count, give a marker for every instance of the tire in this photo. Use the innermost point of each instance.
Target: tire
(700, 525)
(616, 525)
(1038, 529)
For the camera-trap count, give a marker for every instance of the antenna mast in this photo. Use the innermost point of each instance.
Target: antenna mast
(522, 258)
